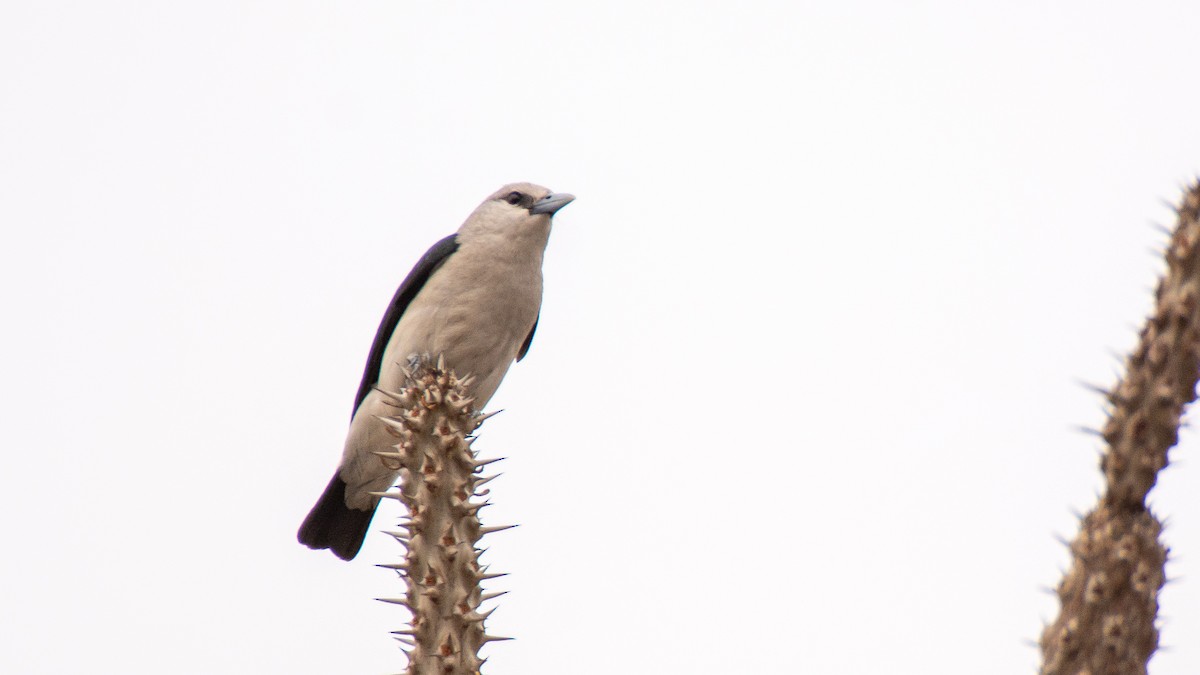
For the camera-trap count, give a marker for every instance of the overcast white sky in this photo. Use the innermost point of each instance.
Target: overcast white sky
(803, 394)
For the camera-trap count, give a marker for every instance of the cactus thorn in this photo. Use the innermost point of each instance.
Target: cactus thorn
(395, 601)
(395, 396)
(479, 617)
(386, 495)
(480, 480)
(483, 417)
(474, 507)
(1092, 387)
(392, 422)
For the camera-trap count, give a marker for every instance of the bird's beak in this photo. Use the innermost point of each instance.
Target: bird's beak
(551, 203)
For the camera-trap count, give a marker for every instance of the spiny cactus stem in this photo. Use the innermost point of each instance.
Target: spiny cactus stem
(1109, 596)
(438, 475)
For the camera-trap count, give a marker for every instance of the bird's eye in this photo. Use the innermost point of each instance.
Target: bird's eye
(514, 198)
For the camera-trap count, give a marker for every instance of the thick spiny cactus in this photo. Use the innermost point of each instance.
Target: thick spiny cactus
(439, 476)
(1110, 594)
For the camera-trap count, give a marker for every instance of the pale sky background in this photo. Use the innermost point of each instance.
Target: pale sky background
(803, 395)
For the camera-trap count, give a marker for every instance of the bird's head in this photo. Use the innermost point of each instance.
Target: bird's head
(515, 210)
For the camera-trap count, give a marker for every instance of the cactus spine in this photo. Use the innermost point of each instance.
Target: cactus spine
(1109, 595)
(439, 475)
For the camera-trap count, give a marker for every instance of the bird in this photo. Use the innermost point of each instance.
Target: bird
(474, 300)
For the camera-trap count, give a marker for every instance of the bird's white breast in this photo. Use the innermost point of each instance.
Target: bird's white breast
(475, 310)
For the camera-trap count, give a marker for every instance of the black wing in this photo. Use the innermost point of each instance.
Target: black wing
(408, 290)
(528, 339)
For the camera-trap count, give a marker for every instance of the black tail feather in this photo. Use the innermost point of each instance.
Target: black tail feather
(333, 525)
